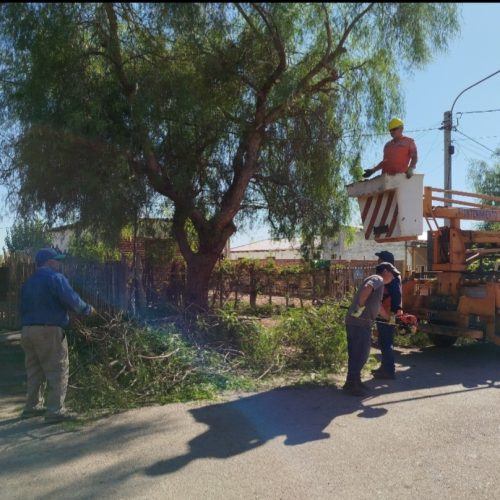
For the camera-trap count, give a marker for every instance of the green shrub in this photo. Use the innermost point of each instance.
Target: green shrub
(314, 338)
(304, 339)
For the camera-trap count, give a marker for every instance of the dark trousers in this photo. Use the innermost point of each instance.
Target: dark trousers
(358, 348)
(386, 346)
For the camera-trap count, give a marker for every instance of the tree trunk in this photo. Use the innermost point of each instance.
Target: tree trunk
(199, 270)
(200, 264)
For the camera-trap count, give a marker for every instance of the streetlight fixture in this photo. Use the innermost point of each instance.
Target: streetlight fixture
(448, 147)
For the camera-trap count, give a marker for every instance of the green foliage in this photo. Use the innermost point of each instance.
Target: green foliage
(27, 235)
(485, 179)
(418, 339)
(118, 364)
(315, 338)
(88, 247)
(302, 339)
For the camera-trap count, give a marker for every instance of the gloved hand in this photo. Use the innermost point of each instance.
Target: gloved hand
(410, 172)
(392, 319)
(368, 172)
(92, 312)
(358, 311)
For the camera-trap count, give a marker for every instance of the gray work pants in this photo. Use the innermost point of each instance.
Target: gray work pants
(46, 358)
(358, 347)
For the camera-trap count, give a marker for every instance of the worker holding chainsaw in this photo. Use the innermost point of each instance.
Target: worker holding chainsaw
(391, 303)
(400, 153)
(364, 309)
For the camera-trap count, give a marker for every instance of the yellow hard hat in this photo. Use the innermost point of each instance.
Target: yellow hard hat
(395, 123)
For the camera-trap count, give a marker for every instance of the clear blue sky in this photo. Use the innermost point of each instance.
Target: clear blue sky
(428, 93)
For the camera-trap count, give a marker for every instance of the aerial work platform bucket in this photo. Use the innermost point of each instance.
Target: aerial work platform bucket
(391, 206)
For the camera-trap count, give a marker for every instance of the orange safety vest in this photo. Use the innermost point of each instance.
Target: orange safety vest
(398, 154)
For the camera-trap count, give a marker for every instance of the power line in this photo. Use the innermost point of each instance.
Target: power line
(478, 151)
(474, 140)
(480, 111)
(472, 149)
(386, 133)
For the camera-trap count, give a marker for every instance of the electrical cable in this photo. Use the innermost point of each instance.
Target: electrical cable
(386, 134)
(473, 140)
(475, 112)
(466, 147)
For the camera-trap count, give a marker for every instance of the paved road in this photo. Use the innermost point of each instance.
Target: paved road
(433, 433)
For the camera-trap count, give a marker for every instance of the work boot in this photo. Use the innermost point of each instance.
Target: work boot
(34, 412)
(354, 388)
(55, 418)
(366, 387)
(381, 373)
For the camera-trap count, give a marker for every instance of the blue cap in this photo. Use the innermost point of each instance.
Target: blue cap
(386, 256)
(45, 254)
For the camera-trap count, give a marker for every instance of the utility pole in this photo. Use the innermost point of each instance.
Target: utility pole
(448, 152)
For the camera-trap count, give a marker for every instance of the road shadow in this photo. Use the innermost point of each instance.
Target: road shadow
(235, 427)
(461, 368)
(302, 414)
(12, 372)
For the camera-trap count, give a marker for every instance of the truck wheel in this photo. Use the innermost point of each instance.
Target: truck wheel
(442, 340)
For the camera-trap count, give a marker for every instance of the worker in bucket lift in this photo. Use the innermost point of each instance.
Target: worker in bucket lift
(400, 153)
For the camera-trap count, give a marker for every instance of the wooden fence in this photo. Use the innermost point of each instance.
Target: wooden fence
(102, 285)
(287, 286)
(119, 286)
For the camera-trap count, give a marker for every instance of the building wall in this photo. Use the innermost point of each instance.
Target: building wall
(60, 239)
(264, 254)
(360, 248)
(339, 248)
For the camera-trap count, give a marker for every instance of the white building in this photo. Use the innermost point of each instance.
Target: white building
(349, 245)
(279, 249)
(355, 247)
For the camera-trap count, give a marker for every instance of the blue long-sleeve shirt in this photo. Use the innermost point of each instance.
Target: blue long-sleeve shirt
(393, 290)
(47, 297)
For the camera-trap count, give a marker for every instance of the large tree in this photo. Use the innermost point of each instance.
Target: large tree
(223, 111)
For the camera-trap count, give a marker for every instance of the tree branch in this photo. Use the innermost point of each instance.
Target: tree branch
(247, 18)
(280, 49)
(151, 167)
(271, 179)
(327, 59)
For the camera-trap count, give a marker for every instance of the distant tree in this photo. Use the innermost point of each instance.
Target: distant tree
(88, 247)
(485, 177)
(27, 236)
(223, 112)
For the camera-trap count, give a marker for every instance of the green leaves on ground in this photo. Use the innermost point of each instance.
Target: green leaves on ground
(118, 364)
